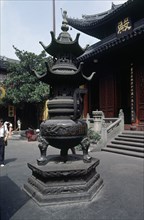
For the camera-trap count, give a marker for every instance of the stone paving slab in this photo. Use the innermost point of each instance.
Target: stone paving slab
(121, 198)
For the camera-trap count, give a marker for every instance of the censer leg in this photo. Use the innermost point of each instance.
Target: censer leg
(43, 145)
(85, 143)
(64, 154)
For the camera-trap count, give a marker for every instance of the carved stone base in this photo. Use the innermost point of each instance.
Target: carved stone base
(59, 183)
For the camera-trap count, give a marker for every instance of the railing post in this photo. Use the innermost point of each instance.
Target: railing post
(98, 118)
(87, 120)
(121, 116)
(104, 134)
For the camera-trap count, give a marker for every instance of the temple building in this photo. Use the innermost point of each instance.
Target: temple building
(117, 59)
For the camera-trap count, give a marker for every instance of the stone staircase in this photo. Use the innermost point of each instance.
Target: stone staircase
(18, 135)
(128, 143)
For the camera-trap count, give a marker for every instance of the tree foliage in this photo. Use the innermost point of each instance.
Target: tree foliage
(21, 84)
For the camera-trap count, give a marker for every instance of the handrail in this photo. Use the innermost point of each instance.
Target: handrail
(108, 119)
(113, 124)
(107, 128)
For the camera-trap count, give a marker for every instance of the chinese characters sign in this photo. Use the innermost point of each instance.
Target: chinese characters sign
(124, 26)
(11, 110)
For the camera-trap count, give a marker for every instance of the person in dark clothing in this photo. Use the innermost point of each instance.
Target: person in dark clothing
(3, 139)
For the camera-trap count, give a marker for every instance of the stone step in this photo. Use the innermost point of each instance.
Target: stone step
(124, 152)
(122, 138)
(127, 143)
(130, 143)
(131, 136)
(133, 133)
(126, 147)
(17, 137)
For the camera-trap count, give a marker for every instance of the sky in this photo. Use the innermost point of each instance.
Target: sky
(23, 23)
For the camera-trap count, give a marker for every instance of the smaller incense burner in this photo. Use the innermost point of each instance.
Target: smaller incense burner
(65, 127)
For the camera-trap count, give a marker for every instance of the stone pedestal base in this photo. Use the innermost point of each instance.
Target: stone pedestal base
(59, 183)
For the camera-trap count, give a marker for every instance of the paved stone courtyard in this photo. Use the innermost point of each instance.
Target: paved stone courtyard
(121, 198)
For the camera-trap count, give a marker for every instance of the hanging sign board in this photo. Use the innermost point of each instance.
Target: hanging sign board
(124, 27)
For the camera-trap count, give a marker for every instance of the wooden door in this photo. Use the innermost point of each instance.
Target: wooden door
(107, 96)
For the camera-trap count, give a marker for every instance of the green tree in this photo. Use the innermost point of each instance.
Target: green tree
(21, 84)
(23, 88)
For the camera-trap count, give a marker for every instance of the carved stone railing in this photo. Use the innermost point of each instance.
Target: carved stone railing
(107, 128)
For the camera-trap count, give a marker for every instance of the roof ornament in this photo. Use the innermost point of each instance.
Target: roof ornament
(64, 26)
(112, 5)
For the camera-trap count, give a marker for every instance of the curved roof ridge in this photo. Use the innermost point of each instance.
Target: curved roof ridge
(82, 21)
(100, 26)
(106, 44)
(102, 14)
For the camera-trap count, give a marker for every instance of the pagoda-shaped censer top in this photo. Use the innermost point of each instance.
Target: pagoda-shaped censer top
(64, 51)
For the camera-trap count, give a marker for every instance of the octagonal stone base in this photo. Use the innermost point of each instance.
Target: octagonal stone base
(60, 183)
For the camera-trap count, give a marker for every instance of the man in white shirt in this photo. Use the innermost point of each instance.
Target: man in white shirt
(3, 138)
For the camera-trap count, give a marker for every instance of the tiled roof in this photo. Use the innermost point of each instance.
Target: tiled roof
(102, 25)
(112, 41)
(4, 60)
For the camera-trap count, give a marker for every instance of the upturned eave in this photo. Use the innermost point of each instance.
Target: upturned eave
(58, 47)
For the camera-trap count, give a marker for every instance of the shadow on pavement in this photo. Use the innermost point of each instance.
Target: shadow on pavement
(10, 160)
(12, 198)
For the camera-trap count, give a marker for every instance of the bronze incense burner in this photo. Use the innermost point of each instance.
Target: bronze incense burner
(65, 127)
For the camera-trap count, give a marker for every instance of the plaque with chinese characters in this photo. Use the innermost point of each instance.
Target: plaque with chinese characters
(124, 26)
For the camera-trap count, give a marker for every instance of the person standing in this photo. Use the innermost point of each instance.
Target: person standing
(3, 139)
(19, 125)
(9, 127)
